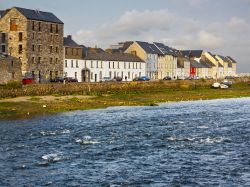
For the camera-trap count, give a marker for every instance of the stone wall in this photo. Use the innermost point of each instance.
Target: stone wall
(10, 69)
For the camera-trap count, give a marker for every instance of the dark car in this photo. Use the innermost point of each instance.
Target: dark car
(57, 79)
(143, 78)
(70, 79)
(167, 78)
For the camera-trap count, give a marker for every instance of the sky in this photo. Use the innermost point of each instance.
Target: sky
(219, 26)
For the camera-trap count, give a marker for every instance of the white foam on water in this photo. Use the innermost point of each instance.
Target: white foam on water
(53, 157)
(86, 140)
(210, 140)
(203, 127)
(65, 131)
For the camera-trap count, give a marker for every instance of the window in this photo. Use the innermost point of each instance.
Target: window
(33, 36)
(109, 65)
(39, 48)
(75, 75)
(72, 63)
(91, 75)
(39, 26)
(101, 65)
(56, 60)
(39, 60)
(124, 65)
(56, 73)
(51, 28)
(33, 25)
(122, 74)
(20, 49)
(50, 49)
(3, 37)
(77, 64)
(97, 64)
(13, 25)
(33, 60)
(56, 49)
(118, 64)
(128, 75)
(133, 53)
(3, 49)
(33, 47)
(66, 64)
(50, 75)
(56, 28)
(129, 65)
(100, 75)
(113, 65)
(110, 74)
(12, 63)
(91, 64)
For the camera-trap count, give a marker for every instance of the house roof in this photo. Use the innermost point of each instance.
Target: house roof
(165, 49)
(35, 15)
(192, 53)
(149, 48)
(122, 49)
(231, 59)
(69, 42)
(223, 58)
(194, 63)
(104, 56)
(220, 65)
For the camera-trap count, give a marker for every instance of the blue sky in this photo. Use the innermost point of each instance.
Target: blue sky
(219, 26)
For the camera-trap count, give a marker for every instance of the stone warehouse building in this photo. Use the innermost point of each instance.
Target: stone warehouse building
(10, 69)
(36, 38)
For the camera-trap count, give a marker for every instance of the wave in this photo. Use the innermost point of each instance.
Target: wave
(54, 157)
(86, 140)
(52, 133)
(210, 140)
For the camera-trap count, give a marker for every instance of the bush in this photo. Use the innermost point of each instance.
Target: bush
(13, 85)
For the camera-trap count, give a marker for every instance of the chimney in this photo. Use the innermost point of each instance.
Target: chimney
(69, 37)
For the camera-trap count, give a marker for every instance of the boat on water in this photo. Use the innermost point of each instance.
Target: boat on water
(223, 86)
(227, 82)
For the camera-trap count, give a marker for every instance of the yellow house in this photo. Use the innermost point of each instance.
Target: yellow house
(217, 70)
(148, 53)
(234, 65)
(167, 62)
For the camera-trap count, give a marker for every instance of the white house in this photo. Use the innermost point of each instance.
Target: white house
(95, 66)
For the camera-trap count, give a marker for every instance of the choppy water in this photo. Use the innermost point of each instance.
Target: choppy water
(202, 143)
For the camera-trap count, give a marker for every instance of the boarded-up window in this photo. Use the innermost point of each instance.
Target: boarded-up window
(13, 24)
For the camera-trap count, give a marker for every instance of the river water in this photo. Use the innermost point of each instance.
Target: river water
(200, 143)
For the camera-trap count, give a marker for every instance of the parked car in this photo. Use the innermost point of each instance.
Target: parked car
(107, 79)
(57, 79)
(27, 81)
(70, 79)
(118, 79)
(143, 78)
(167, 78)
(227, 82)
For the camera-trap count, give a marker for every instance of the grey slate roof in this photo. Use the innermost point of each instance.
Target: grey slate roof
(69, 42)
(231, 59)
(37, 15)
(192, 53)
(196, 64)
(223, 58)
(149, 48)
(104, 56)
(165, 49)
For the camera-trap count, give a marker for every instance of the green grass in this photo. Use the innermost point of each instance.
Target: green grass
(34, 107)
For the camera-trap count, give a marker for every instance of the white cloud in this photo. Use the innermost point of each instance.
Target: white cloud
(208, 40)
(130, 24)
(238, 24)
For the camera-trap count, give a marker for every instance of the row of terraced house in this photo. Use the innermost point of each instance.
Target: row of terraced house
(32, 44)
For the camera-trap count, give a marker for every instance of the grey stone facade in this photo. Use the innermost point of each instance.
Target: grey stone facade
(10, 69)
(36, 38)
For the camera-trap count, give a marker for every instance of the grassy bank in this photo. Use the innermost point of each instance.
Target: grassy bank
(105, 95)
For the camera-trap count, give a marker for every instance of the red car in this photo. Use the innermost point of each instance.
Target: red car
(27, 81)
